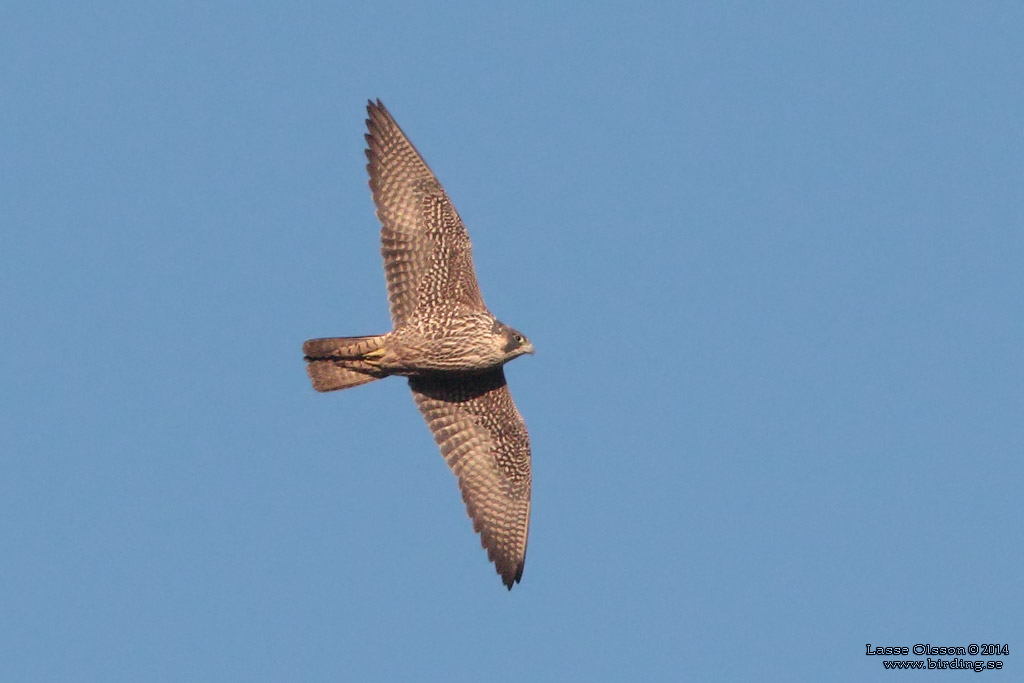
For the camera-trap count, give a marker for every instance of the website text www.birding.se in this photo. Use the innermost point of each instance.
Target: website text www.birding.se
(941, 657)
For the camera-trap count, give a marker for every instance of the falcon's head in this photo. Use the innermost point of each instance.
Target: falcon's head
(514, 342)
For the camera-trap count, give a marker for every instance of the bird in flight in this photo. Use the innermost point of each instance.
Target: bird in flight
(445, 341)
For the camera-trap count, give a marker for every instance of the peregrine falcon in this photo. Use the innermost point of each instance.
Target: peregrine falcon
(445, 341)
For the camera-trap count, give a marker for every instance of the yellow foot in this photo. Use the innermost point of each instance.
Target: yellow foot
(373, 356)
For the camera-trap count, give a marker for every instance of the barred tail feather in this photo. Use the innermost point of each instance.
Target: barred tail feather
(332, 375)
(342, 362)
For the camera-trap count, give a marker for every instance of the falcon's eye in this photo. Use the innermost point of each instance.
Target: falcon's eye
(519, 338)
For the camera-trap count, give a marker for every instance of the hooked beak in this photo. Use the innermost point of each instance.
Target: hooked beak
(528, 348)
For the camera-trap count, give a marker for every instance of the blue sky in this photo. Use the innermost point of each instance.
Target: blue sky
(770, 257)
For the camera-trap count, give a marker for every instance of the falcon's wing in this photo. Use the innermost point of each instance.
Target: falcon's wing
(483, 438)
(428, 259)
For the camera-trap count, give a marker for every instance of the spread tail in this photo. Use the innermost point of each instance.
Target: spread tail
(343, 362)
